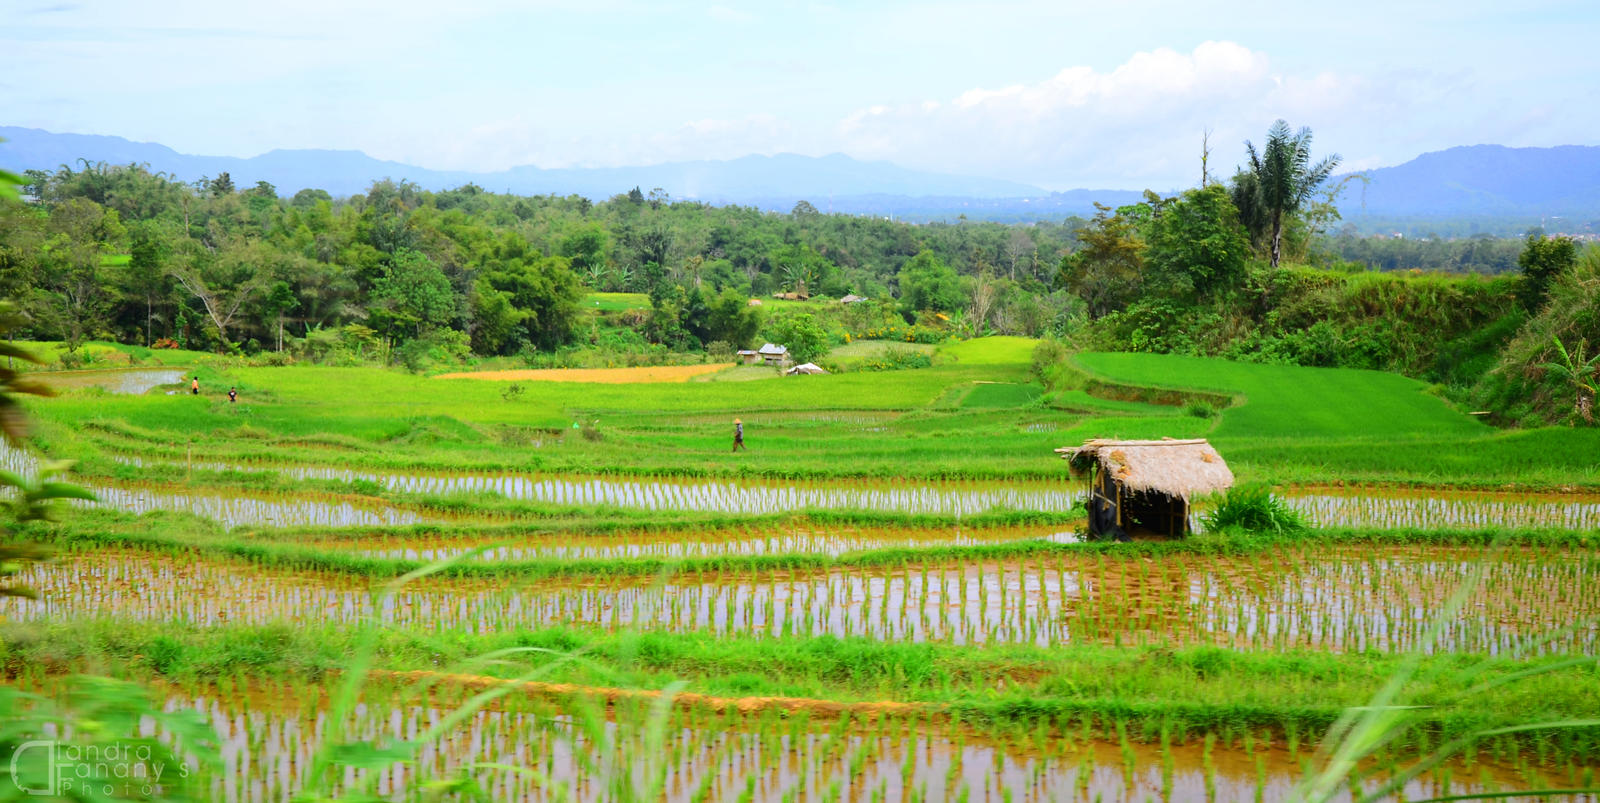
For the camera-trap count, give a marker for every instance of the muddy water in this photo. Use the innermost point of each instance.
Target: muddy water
(268, 747)
(1447, 509)
(766, 541)
(132, 381)
(1376, 508)
(753, 498)
(228, 509)
(240, 510)
(1358, 599)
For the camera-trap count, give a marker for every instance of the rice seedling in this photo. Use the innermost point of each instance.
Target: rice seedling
(1350, 599)
(670, 494)
(821, 595)
(526, 749)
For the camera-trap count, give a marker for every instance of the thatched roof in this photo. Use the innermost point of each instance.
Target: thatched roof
(1183, 468)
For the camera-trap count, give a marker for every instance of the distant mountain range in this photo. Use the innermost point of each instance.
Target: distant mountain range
(785, 176)
(1485, 180)
(1479, 182)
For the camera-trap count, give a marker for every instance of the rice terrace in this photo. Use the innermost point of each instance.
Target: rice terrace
(890, 593)
(792, 478)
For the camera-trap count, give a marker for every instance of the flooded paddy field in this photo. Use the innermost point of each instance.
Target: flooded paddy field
(237, 509)
(1341, 599)
(765, 540)
(576, 749)
(700, 496)
(229, 507)
(130, 381)
(1384, 508)
(1372, 508)
(1364, 507)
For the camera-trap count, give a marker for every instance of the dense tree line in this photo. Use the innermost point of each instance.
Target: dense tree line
(120, 252)
(1479, 254)
(414, 276)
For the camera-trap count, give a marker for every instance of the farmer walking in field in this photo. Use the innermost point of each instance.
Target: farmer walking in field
(738, 434)
(233, 395)
(194, 388)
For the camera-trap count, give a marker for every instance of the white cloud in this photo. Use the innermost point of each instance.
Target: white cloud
(1137, 124)
(1141, 121)
(726, 14)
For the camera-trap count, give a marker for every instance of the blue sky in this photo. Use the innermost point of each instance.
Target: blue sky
(1058, 94)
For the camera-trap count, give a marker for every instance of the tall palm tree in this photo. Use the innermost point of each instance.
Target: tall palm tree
(1279, 180)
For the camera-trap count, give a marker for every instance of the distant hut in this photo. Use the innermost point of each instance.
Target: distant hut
(749, 356)
(773, 354)
(1144, 487)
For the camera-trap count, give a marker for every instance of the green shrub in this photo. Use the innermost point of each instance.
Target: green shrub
(1253, 508)
(895, 359)
(1521, 388)
(1046, 355)
(440, 348)
(905, 333)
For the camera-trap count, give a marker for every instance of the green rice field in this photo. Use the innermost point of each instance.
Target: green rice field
(357, 581)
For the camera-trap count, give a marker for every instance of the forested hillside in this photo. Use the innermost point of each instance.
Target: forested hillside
(427, 280)
(119, 252)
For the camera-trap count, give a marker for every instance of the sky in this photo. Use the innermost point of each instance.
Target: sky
(1063, 94)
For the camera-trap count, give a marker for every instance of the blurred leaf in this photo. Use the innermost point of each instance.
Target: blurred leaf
(367, 756)
(32, 388)
(63, 490)
(17, 352)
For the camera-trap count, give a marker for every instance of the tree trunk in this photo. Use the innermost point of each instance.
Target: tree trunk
(1277, 237)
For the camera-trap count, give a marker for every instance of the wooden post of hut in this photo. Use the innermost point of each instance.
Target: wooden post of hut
(1142, 489)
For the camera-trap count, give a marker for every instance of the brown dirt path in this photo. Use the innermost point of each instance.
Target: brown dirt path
(609, 376)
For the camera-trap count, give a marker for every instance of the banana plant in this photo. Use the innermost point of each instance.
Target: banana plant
(1579, 370)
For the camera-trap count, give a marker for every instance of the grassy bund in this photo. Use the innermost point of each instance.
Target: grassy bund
(880, 599)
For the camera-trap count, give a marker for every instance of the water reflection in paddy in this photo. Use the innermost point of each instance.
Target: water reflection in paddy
(1380, 508)
(133, 381)
(724, 496)
(228, 509)
(1347, 599)
(772, 540)
(238, 510)
(267, 747)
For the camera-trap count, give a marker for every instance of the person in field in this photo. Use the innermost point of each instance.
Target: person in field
(233, 395)
(738, 434)
(194, 387)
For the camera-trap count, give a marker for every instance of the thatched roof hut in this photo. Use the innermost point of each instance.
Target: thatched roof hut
(1182, 468)
(1146, 485)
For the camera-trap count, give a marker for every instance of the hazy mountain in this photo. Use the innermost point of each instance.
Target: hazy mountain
(1488, 183)
(1484, 181)
(742, 180)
